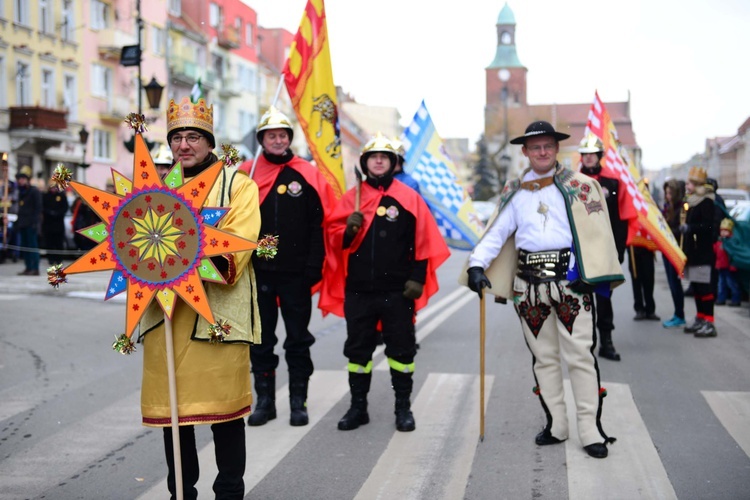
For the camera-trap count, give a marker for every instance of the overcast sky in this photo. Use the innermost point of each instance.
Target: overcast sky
(684, 62)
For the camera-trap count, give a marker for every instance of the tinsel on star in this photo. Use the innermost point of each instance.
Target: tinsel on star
(268, 247)
(230, 155)
(123, 344)
(219, 331)
(56, 276)
(137, 122)
(62, 177)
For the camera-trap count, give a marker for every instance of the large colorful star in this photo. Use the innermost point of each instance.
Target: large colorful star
(157, 237)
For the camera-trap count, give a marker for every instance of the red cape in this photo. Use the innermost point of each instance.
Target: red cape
(266, 173)
(429, 244)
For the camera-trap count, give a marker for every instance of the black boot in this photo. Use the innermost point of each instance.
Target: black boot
(359, 384)
(298, 402)
(402, 385)
(606, 347)
(229, 447)
(265, 408)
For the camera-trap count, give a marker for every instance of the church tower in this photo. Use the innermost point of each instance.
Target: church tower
(505, 76)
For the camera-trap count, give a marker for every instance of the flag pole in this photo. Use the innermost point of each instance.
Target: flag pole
(481, 364)
(173, 408)
(260, 146)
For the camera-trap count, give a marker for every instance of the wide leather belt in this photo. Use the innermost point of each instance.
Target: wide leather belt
(541, 267)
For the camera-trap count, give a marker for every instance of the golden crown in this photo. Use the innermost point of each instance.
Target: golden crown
(188, 114)
(727, 224)
(698, 175)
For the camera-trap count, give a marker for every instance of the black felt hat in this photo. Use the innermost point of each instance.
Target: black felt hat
(539, 128)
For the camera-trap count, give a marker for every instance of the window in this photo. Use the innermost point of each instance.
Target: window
(23, 84)
(21, 12)
(48, 88)
(70, 97)
(102, 145)
(218, 64)
(238, 27)
(99, 15)
(3, 83)
(101, 80)
(219, 118)
(249, 35)
(175, 7)
(67, 28)
(45, 16)
(247, 122)
(158, 40)
(215, 15)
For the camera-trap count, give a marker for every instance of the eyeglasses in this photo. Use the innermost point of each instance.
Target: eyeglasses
(176, 140)
(538, 148)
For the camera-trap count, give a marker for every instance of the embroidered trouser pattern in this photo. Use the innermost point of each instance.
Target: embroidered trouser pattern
(555, 320)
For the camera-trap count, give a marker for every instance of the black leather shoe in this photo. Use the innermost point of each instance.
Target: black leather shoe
(609, 353)
(597, 450)
(544, 438)
(653, 317)
(640, 315)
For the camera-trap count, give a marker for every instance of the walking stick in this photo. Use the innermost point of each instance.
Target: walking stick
(632, 262)
(173, 408)
(481, 366)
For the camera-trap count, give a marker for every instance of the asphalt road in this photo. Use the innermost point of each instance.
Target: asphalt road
(679, 407)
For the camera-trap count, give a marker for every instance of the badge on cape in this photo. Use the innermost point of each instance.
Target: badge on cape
(295, 188)
(392, 213)
(281, 189)
(380, 211)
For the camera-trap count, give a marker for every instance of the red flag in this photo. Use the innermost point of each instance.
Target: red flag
(309, 79)
(646, 225)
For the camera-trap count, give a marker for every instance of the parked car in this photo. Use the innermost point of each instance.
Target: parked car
(733, 196)
(740, 211)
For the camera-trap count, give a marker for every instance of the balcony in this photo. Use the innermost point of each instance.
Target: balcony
(229, 88)
(35, 117)
(38, 128)
(228, 38)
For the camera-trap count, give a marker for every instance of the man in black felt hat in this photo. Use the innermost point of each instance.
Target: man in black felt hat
(549, 248)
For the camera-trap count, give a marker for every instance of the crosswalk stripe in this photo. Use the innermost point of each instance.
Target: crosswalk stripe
(447, 307)
(435, 460)
(276, 438)
(633, 468)
(26, 473)
(733, 411)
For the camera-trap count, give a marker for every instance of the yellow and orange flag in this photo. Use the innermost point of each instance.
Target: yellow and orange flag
(309, 79)
(646, 224)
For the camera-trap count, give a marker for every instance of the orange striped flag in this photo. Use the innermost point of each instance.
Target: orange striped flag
(646, 224)
(309, 80)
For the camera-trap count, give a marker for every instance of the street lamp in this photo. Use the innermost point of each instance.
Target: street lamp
(83, 136)
(153, 93)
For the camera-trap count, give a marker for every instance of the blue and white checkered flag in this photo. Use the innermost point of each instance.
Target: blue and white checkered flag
(428, 163)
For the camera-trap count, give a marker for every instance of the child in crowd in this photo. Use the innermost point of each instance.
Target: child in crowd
(728, 282)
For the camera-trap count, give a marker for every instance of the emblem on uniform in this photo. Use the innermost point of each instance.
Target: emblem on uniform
(380, 211)
(295, 188)
(281, 189)
(57, 198)
(392, 213)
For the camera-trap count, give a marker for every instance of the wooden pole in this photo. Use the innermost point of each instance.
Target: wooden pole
(481, 365)
(173, 408)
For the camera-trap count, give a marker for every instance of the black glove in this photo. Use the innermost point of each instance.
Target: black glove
(580, 286)
(413, 289)
(684, 228)
(477, 280)
(353, 223)
(312, 275)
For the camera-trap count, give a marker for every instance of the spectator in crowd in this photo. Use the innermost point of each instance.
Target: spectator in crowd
(728, 274)
(674, 192)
